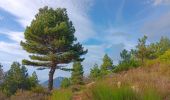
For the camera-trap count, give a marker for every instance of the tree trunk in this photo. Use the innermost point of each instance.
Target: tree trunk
(142, 60)
(50, 82)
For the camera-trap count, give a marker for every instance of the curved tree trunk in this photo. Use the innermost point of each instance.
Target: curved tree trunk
(50, 81)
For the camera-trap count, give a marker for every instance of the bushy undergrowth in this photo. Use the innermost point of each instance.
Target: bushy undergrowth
(64, 94)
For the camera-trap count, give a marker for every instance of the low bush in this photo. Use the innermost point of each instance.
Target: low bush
(65, 83)
(165, 57)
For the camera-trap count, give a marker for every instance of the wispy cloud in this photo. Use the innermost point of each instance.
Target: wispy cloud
(25, 11)
(11, 48)
(157, 27)
(13, 35)
(161, 2)
(119, 16)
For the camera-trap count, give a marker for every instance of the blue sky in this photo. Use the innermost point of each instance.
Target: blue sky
(102, 26)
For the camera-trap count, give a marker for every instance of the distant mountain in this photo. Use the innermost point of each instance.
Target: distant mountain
(57, 82)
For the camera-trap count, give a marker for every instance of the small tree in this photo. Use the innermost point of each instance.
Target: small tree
(1, 74)
(125, 56)
(95, 72)
(77, 74)
(159, 48)
(107, 64)
(127, 61)
(16, 78)
(33, 80)
(51, 41)
(65, 83)
(164, 45)
(142, 49)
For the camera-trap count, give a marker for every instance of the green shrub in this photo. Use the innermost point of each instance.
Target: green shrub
(61, 95)
(165, 57)
(65, 83)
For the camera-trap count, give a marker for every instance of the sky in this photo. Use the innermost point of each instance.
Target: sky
(102, 26)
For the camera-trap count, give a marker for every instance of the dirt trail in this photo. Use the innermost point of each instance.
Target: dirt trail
(77, 96)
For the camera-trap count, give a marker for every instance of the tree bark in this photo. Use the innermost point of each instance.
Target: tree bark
(50, 82)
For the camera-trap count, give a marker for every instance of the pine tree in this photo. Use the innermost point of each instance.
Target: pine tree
(159, 48)
(163, 45)
(33, 80)
(125, 56)
(65, 83)
(16, 78)
(77, 74)
(95, 72)
(1, 74)
(142, 51)
(51, 41)
(107, 64)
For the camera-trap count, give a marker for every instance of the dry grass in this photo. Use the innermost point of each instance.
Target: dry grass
(154, 75)
(3, 96)
(28, 95)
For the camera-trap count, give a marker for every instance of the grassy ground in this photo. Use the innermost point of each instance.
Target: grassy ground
(151, 82)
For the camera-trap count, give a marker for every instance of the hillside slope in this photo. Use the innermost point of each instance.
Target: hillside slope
(151, 82)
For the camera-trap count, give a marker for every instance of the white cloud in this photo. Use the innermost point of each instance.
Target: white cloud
(119, 36)
(25, 11)
(157, 27)
(161, 2)
(13, 35)
(94, 55)
(11, 48)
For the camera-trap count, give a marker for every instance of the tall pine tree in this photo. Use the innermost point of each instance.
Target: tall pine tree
(16, 78)
(106, 65)
(33, 80)
(95, 72)
(142, 50)
(77, 74)
(1, 74)
(125, 56)
(51, 41)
